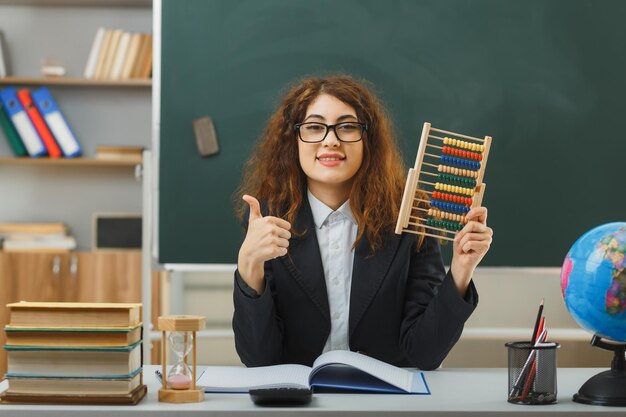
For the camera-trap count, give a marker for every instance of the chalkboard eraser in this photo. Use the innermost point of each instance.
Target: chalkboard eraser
(206, 139)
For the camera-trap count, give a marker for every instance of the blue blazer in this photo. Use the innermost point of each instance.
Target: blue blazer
(404, 309)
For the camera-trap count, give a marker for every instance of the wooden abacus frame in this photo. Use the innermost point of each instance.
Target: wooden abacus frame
(415, 223)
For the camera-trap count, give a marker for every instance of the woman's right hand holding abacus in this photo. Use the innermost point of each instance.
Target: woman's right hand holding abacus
(267, 238)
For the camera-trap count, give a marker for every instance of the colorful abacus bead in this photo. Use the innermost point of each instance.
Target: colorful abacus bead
(458, 180)
(454, 226)
(449, 216)
(456, 208)
(462, 153)
(465, 145)
(451, 197)
(459, 162)
(454, 189)
(457, 171)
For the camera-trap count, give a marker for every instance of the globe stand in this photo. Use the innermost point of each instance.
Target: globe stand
(608, 387)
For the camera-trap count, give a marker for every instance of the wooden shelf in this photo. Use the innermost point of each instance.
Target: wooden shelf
(79, 3)
(74, 82)
(85, 162)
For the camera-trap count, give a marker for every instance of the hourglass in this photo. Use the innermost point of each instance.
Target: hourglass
(179, 384)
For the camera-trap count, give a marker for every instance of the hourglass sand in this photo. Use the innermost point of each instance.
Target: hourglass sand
(179, 384)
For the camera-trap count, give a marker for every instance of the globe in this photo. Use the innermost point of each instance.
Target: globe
(593, 281)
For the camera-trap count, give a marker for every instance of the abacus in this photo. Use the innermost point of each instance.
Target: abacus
(437, 206)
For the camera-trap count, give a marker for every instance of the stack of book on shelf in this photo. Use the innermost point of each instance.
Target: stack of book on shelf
(120, 153)
(83, 353)
(34, 125)
(40, 237)
(119, 55)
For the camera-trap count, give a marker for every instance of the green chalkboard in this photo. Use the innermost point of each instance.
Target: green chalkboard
(545, 78)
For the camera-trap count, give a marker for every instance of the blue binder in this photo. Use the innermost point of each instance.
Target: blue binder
(59, 127)
(14, 109)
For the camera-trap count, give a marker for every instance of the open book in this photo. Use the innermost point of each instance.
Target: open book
(339, 370)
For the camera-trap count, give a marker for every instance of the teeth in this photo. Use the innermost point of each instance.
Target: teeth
(330, 159)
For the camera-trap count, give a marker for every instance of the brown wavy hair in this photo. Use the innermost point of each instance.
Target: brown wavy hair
(377, 187)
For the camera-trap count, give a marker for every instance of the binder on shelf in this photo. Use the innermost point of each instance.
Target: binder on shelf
(51, 113)
(22, 123)
(11, 134)
(40, 125)
(94, 53)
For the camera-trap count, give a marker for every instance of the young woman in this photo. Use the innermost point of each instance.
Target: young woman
(320, 267)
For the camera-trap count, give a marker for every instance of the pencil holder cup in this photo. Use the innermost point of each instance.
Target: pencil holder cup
(532, 373)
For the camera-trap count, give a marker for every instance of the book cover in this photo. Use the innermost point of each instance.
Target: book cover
(57, 123)
(71, 336)
(134, 150)
(102, 54)
(111, 52)
(332, 371)
(120, 153)
(75, 386)
(131, 57)
(40, 125)
(45, 243)
(141, 56)
(120, 56)
(22, 123)
(94, 53)
(38, 228)
(11, 134)
(146, 68)
(131, 398)
(60, 362)
(84, 315)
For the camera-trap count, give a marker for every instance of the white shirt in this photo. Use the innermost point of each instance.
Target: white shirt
(336, 232)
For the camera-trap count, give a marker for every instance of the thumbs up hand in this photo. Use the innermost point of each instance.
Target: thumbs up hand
(267, 238)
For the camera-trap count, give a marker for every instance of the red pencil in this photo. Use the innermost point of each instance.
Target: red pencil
(533, 367)
(529, 380)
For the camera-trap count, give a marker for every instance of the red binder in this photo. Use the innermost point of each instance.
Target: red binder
(40, 124)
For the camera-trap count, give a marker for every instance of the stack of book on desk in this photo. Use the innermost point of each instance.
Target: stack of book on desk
(87, 353)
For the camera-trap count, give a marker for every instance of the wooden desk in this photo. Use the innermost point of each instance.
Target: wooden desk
(467, 392)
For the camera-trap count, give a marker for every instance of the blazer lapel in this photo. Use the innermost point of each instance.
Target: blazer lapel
(304, 261)
(368, 273)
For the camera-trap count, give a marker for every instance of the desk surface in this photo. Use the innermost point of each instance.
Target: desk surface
(471, 392)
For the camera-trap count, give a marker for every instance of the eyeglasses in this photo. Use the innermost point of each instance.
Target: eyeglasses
(313, 132)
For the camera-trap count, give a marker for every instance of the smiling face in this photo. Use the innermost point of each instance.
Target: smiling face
(330, 165)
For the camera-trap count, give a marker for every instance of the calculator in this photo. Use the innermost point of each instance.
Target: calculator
(281, 396)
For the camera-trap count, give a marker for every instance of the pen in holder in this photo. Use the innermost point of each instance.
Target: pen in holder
(532, 373)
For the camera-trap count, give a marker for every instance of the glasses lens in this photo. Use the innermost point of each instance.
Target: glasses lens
(349, 132)
(312, 132)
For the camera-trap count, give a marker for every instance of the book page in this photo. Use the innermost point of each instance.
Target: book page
(240, 379)
(407, 381)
